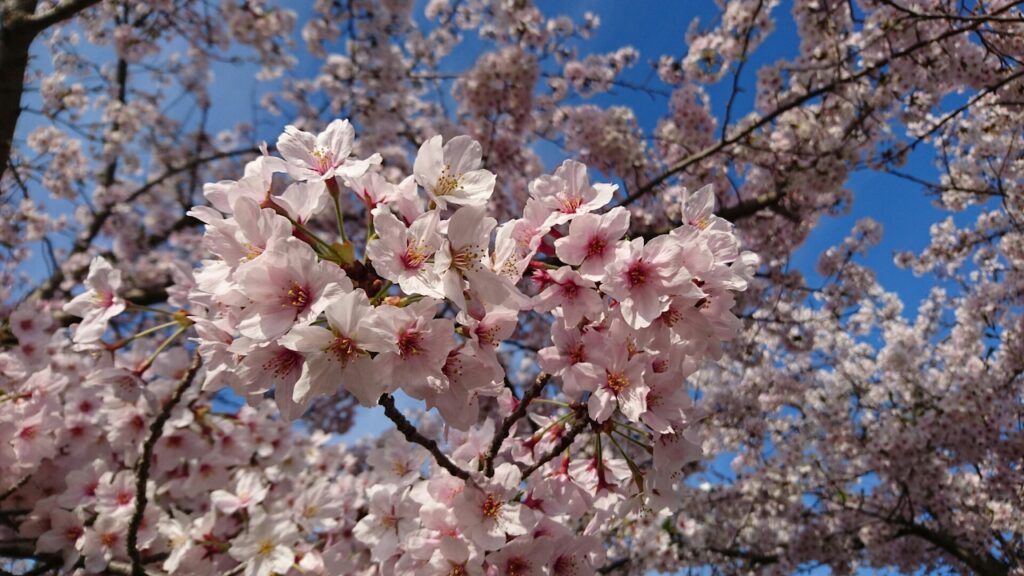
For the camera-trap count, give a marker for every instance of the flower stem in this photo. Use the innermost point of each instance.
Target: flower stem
(561, 420)
(643, 433)
(646, 447)
(379, 296)
(142, 308)
(332, 187)
(163, 346)
(122, 342)
(311, 235)
(552, 402)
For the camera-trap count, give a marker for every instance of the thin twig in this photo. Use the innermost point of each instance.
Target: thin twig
(7, 493)
(156, 430)
(87, 236)
(506, 426)
(413, 435)
(790, 105)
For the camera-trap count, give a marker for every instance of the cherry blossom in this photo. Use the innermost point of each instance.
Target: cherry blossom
(452, 173)
(323, 156)
(97, 305)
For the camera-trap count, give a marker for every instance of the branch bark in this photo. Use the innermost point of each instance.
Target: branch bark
(982, 565)
(563, 444)
(506, 426)
(413, 435)
(19, 26)
(156, 430)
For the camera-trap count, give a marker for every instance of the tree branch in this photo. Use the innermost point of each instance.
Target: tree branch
(790, 105)
(413, 435)
(48, 288)
(58, 14)
(563, 444)
(506, 426)
(985, 566)
(18, 29)
(156, 430)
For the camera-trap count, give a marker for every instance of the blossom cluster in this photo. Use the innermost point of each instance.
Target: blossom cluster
(425, 307)
(426, 303)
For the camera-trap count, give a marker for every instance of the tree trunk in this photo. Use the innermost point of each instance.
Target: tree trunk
(15, 39)
(19, 26)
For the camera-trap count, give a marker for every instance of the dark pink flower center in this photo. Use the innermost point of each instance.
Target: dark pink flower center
(637, 273)
(283, 362)
(414, 256)
(596, 246)
(410, 343)
(343, 349)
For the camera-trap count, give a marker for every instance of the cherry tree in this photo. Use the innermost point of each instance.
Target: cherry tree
(604, 364)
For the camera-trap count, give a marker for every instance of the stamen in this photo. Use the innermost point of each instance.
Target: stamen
(415, 255)
(298, 296)
(325, 159)
(409, 343)
(491, 507)
(447, 182)
(596, 246)
(617, 382)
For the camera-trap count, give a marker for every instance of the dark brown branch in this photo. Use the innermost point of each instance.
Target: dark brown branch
(156, 430)
(985, 566)
(614, 565)
(738, 72)
(907, 147)
(948, 16)
(413, 435)
(563, 444)
(121, 80)
(57, 14)
(7, 493)
(754, 558)
(506, 426)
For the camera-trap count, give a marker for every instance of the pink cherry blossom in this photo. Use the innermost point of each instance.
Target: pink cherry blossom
(453, 173)
(288, 286)
(402, 254)
(487, 513)
(264, 547)
(324, 155)
(97, 305)
(419, 346)
(591, 242)
(339, 354)
(575, 295)
(642, 276)
(568, 192)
